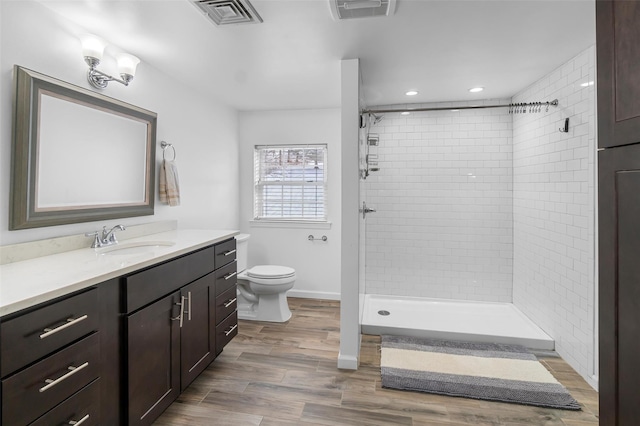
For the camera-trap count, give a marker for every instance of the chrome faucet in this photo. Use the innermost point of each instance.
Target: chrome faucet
(107, 238)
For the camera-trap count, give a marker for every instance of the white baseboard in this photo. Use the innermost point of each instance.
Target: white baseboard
(347, 362)
(313, 294)
(593, 381)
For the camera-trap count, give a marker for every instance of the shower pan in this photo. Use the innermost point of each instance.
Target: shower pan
(490, 322)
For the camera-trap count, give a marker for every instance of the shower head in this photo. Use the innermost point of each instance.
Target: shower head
(376, 118)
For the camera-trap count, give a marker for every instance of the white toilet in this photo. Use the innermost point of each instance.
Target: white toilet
(262, 290)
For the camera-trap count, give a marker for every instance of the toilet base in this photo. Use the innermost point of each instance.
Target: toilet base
(270, 308)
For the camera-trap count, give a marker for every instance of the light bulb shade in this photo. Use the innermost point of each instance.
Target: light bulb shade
(127, 64)
(92, 46)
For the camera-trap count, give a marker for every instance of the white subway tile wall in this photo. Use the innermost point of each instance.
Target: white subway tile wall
(554, 210)
(443, 195)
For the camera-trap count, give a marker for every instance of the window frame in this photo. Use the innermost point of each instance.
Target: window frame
(259, 184)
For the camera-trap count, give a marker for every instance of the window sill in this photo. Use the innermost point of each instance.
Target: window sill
(298, 224)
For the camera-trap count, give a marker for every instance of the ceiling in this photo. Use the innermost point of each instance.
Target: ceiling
(292, 59)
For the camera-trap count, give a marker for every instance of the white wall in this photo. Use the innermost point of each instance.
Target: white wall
(316, 263)
(443, 226)
(554, 208)
(203, 131)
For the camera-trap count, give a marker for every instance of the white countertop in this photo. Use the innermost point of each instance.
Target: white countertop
(30, 282)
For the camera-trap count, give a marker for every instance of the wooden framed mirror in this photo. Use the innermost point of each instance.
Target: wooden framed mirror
(78, 156)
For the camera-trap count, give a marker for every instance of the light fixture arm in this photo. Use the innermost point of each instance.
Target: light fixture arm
(99, 79)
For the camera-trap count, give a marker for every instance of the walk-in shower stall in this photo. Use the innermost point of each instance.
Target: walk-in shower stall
(484, 222)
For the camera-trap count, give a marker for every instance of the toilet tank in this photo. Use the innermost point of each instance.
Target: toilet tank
(242, 251)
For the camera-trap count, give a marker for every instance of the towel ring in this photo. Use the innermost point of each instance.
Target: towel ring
(164, 145)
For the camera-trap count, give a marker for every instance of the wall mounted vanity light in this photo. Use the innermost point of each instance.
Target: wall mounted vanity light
(92, 51)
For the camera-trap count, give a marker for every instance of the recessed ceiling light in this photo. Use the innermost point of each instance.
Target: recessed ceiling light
(476, 89)
(590, 83)
(411, 93)
(405, 113)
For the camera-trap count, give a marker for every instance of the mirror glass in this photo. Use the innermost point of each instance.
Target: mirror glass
(78, 155)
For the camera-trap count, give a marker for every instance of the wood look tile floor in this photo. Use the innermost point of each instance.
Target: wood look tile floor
(286, 374)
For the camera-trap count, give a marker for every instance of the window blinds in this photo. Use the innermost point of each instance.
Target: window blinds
(290, 182)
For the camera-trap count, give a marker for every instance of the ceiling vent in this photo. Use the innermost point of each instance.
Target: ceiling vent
(350, 9)
(227, 12)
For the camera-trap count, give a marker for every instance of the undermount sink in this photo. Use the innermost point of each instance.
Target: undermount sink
(136, 247)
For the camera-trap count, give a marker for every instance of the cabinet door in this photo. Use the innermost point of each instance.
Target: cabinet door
(153, 337)
(197, 339)
(618, 46)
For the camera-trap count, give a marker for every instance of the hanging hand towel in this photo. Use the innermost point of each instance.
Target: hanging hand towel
(169, 185)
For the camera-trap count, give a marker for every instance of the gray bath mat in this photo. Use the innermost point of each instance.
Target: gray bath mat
(495, 372)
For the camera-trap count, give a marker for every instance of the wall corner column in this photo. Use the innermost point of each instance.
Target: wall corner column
(349, 305)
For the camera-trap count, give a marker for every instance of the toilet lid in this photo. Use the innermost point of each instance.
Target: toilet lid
(271, 271)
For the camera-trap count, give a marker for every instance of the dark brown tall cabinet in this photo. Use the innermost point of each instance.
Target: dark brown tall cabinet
(618, 59)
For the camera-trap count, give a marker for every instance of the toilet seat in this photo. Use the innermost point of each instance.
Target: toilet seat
(265, 272)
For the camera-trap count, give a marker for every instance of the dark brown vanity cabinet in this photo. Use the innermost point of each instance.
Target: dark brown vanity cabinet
(51, 362)
(119, 352)
(172, 333)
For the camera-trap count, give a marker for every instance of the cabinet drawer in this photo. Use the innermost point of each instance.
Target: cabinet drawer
(225, 252)
(225, 304)
(83, 408)
(160, 280)
(31, 336)
(32, 392)
(225, 331)
(226, 278)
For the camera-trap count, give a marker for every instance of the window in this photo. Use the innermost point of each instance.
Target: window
(290, 182)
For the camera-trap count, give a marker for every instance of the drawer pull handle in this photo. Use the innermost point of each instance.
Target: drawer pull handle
(229, 252)
(72, 370)
(180, 316)
(230, 302)
(228, 332)
(79, 422)
(231, 275)
(189, 311)
(49, 331)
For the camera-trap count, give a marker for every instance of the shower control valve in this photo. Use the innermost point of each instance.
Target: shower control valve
(364, 210)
